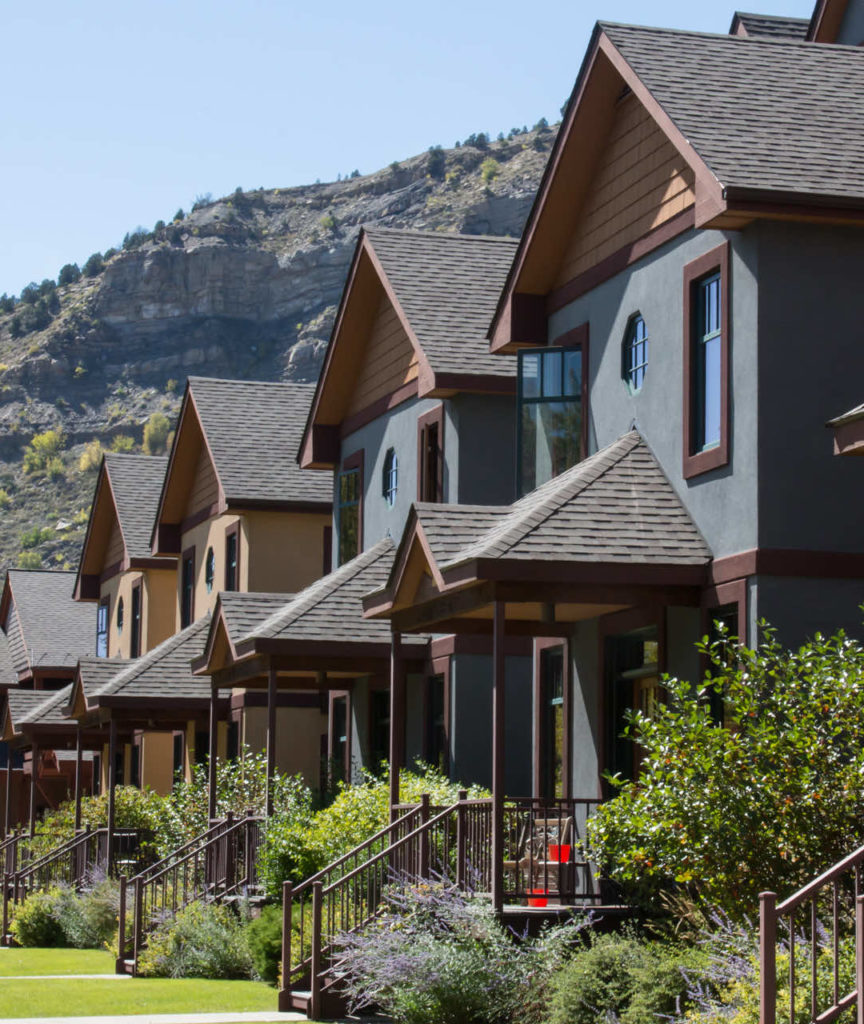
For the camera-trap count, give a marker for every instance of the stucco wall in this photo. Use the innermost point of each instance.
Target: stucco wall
(721, 502)
(211, 534)
(298, 739)
(484, 461)
(286, 550)
(852, 26)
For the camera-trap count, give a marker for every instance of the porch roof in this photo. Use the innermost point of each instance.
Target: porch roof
(19, 705)
(52, 711)
(599, 532)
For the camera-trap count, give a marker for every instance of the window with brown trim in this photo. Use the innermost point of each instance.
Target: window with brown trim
(232, 557)
(339, 738)
(552, 408)
(135, 624)
(187, 588)
(707, 329)
(349, 508)
(552, 729)
(379, 729)
(102, 628)
(436, 743)
(430, 455)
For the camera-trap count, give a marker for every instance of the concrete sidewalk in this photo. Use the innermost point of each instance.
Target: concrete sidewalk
(161, 1018)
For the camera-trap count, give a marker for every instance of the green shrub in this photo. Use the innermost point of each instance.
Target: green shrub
(264, 938)
(123, 443)
(705, 791)
(42, 449)
(69, 274)
(619, 977)
(203, 941)
(5, 500)
(489, 170)
(38, 921)
(34, 537)
(93, 265)
(91, 920)
(296, 846)
(156, 431)
(29, 560)
(91, 457)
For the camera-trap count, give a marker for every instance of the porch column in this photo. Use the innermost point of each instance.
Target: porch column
(211, 757)
(397, 718)
(272, 692)
(498, 694)
(78, 778)
(34, 768)
(7, 817)
(112, 785)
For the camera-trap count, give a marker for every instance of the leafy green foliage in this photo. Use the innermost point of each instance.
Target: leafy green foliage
(7, 303)
(156, 431)
(38, 920)
(91, 457)
(44, 448)
(620, 977)
(29, 560)
(264, 938)
(489, 170)
(93, 265)
(69, 274)
(788, 768)
(297, 845)
(59, 916)
(436, 163)
(122, 443)
(34, 537)
(203, 941)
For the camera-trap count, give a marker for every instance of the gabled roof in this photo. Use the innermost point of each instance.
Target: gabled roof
(768, 127)
(616, 508)
(20, 704)
(8, 675)
(164, 673)
(443, 288)
(251, 431)
(52, 711)
(46, 628)
(126, 494)
(769, 26)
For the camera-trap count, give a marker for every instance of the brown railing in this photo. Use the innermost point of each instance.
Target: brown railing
(453, 842)
(835, 896)
(9, 851)
(217, 864)
(70, 864)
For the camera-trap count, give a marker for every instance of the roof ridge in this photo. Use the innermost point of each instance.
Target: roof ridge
(256, 383)
(449, 235)
(742, 40)
(316, 592)
(525, 520)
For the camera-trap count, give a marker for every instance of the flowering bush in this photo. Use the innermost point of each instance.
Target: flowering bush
(203, 941)
(436, 955)
(765, 800)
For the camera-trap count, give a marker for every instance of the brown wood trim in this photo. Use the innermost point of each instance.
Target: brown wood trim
(356, 461)
(201, 516)
(233, 531)
(476, 383)
(541, 644)
(332, 697)
(167, 539)
(320, 448)
(826, 21)
(284, 698)
(378, 408)
(425, 420)
(327, 551)
(88, 587)
(714, 597)
(161, 562)
(462, 643)
(788, 562)
(618, 261)
(110, 572)
(239, 505)
(618, 573)
(696, 463)
(848, 438)
(135, 629)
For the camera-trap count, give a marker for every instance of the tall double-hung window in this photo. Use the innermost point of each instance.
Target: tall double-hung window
(551, 414)
(706, 362)
(349, 507)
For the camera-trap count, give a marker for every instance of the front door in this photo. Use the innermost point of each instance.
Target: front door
(633, 681)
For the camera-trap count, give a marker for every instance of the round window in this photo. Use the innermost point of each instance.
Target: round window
(120, 615)
(635, 352)
(390, 477)
(209, 569)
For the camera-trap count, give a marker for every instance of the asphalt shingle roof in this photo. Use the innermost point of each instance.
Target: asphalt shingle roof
(615, 506)
(97, 672)
(244, 612)
(773, 26)
(8, 675)
(330, 609)
(770, 114)
(52, 710)
(448, 286)
(22, 703)
(165, 671)
(254, 429)
(55, 630)
(136, 482)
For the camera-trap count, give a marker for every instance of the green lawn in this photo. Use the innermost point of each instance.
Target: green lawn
(80, 997)
(54, 961)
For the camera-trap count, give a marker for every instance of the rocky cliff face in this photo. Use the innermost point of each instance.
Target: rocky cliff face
(245, 286)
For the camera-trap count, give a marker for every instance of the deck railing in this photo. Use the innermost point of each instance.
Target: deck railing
(220, 863)
(825, 911)
(454, 842)
(10, 848)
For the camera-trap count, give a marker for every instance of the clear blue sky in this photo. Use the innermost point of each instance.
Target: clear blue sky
(116, 113)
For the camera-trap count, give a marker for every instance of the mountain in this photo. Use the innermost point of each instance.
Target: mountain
(245, 286)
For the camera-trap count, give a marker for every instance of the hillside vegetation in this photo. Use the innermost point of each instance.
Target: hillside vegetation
(245, 286)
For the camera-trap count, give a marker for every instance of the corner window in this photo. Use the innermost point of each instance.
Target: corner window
(635, 353)
(551, 416)
(390, 477)
(209, 570)
(231, 557)
(349, 495)
(102, 629)
(135, 635)
(706, 362)
(187, 589)
(120, 616)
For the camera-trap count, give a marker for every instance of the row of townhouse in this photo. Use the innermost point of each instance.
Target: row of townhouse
(531, 475)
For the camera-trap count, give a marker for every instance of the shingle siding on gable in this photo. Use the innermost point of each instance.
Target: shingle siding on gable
(641, 182)
(388, 362)
(115, 549)
(205, 490)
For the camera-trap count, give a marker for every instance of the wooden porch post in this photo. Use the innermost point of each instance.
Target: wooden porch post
(211, 757)
(78, 778)
(498, 706)
(271, 736)
(34, 768)
(112, 785)
(7, 823)
(397, 718)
